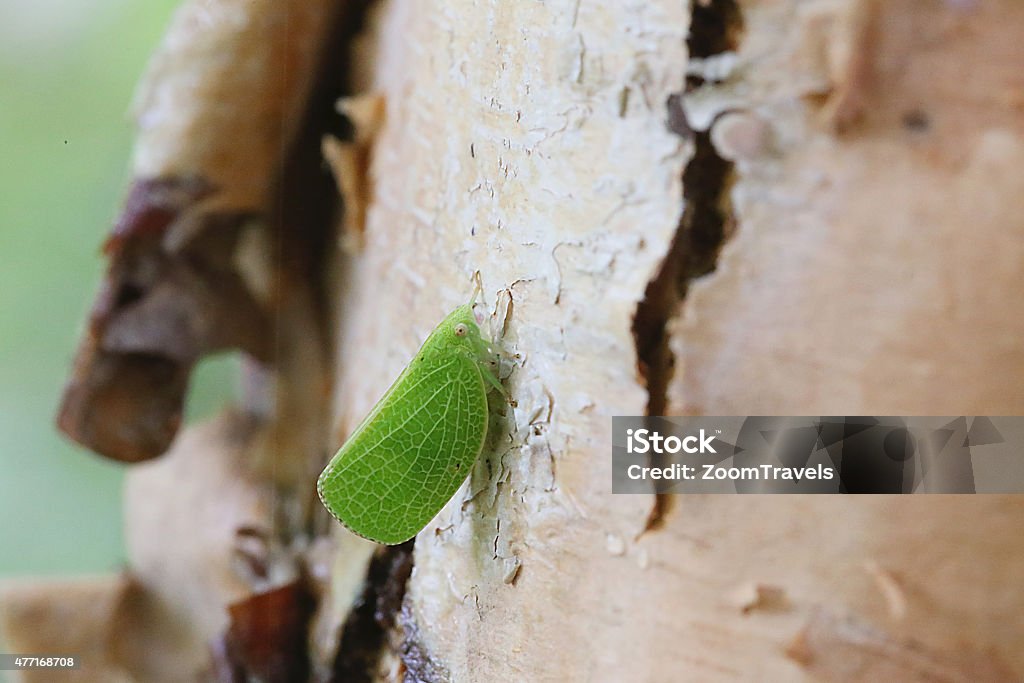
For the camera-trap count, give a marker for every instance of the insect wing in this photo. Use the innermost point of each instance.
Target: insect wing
(412, 452)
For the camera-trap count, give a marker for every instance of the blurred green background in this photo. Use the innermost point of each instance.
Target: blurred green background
(67, 72)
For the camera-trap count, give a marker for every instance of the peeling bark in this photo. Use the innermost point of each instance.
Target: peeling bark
(218, 115)
(727, 207)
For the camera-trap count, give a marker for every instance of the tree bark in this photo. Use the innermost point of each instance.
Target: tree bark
(735, 207)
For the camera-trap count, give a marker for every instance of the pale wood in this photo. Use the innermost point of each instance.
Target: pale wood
(869, 272)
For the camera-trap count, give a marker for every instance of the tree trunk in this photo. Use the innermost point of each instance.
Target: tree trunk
(733, 208)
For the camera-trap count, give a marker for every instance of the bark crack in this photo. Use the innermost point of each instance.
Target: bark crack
(375, 614)
(706, 222)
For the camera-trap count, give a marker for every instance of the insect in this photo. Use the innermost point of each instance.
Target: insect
(409, 456)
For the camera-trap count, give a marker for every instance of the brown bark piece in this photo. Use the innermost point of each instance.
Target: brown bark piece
(216, 115)
(266, 638)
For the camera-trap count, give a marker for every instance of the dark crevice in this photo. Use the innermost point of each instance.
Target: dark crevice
(418, 664)
(340, 126)
(715, 27)
(306, 202)
(128, 294)
(365, 633)
(704, 226)
(302, 217)
(692, 253)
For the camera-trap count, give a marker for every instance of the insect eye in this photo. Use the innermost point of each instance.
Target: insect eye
(461, 330)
